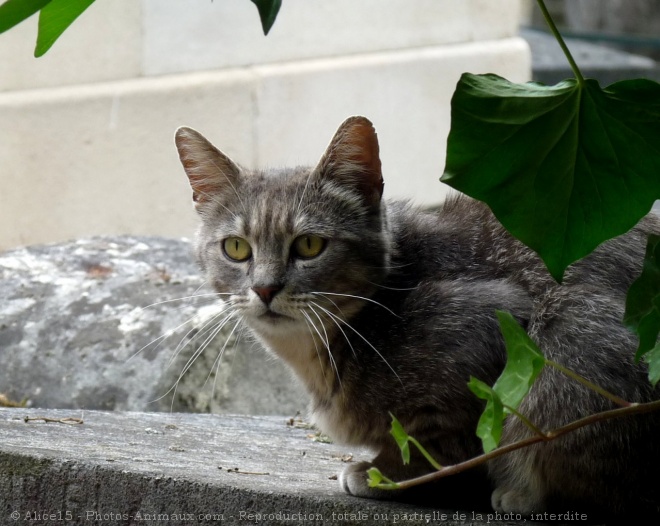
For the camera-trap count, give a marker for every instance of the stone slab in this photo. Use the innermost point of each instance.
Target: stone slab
(183, 469)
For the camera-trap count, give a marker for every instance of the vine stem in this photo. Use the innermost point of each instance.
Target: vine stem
(632, 409)
(560, 40)
(525, 420)
(603, 392)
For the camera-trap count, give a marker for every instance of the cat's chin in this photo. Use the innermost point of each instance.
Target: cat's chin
(273, 316)
(271, 321)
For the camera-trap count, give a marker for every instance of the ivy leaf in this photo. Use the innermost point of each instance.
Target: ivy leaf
(653, 359)
(563, 167)
(489, 428)
(402, 439)
(642, 314)
(13, 12)
(268, 10)
(524, 364)
(378, 480)
(54, 19)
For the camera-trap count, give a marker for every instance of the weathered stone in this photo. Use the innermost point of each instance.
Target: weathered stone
(184, 469)
(112, 323)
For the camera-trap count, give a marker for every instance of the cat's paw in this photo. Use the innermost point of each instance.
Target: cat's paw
(508, 500)
(355, 481)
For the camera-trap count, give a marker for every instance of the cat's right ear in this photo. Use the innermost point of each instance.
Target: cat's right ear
(209, 171)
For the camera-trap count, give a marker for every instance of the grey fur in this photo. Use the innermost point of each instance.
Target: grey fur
(420, 320)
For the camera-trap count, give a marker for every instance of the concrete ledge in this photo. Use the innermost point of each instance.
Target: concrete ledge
(157, 468)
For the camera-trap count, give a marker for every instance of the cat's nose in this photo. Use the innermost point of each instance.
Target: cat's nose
(267, 293)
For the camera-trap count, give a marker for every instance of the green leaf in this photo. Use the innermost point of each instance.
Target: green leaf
(563, 167)
(489, 428)
(378, 480)
(268, 10)
(13, 12)
(54, 19)
(375, 477)
(653, 359)
(402, 439)
(642, 314)
(524, 362)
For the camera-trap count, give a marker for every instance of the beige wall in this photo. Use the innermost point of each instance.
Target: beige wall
(86, 131)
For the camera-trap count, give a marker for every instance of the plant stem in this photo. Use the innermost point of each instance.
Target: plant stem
(426, 454)
(560, 40)
(631, 409)
(604, 392)
(525, 421)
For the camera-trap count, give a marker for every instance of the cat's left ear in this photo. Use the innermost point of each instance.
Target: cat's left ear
(209, 170)
(353, 159)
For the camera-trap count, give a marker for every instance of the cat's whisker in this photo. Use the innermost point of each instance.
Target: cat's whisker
(310, 326)
(216, 201)
(216, 363)
(228, 179)
(335, 317)
(226, 308)
(162, 338)
(348, 341)
(388, 267)
(193, 358)
(334, 303)
(185, 298)
(170, 332)
(201, 332)
(312, 206)
(196, 354)
(360, 298)
(390, 288)
(327, 340)
(302, 196)
(333, 362)
(211, 329)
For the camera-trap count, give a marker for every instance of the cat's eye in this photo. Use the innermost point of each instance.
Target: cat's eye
(308, 246)
(237, 249)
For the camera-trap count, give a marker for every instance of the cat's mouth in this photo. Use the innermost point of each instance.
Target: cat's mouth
(271, 315)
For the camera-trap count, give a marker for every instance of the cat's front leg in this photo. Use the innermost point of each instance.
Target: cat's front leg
(355, 481)
(516, 500)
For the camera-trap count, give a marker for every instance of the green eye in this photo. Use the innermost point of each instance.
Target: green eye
(308, 246)
(237, 249)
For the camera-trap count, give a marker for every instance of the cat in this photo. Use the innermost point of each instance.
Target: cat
(381, 308)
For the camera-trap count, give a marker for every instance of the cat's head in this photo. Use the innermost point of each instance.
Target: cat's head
(297, 246)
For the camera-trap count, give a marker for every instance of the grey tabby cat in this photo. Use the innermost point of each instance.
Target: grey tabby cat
(381, 308)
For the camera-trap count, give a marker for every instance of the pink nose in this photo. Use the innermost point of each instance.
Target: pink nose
(267, 293)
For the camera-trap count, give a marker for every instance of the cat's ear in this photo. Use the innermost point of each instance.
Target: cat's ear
(209, 170)
(353, 159)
